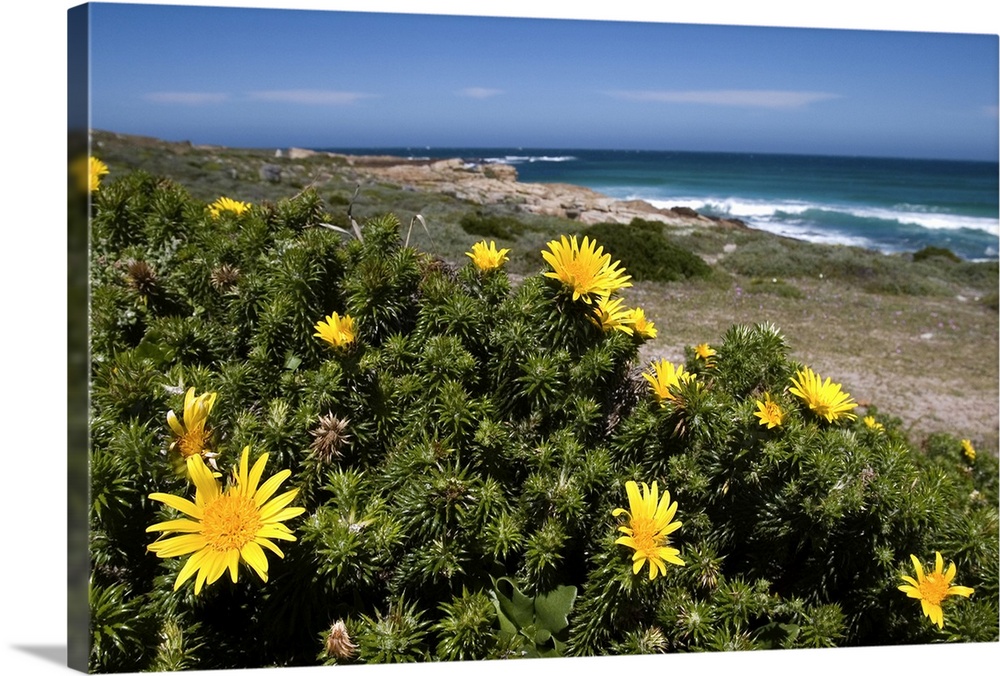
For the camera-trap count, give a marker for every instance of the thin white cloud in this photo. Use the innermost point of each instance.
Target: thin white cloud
(480, 92)
(315, 97)
(187, 98)
(746, 98)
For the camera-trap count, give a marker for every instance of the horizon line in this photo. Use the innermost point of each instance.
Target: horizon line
(424, 146)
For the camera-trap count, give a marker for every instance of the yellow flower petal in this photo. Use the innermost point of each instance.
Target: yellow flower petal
(191, 566)
(254, 555)
(175, 424)
(180, 504)
(271, 485)
(283, 515)
(253, 480)
(264, 542)
(175, 526)
(232, 562)
(177, 546)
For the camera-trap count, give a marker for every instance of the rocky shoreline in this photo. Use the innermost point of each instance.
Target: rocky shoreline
(498, 184)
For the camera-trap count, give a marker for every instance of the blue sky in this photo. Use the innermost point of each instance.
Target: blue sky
(263, 78)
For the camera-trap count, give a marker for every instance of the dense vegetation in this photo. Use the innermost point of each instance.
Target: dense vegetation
(459, 452)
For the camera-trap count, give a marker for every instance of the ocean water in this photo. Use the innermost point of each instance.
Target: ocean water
(889, 205)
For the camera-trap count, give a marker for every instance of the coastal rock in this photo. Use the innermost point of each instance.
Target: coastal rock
(502, 172)
(454, 164)
(685, 211)
(494, 183)
(270, 173)
(728, 222)
(300, 153)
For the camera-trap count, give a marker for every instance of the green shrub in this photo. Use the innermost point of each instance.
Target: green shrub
(460, 453)
(491, 225)
(646, 253)
(770, 257)
(775, 287)
(936, 252)
(992, 301)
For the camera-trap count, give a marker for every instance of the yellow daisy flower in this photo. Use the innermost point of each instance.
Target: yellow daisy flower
(225, 204)
(649, 524)
(823, 398)
(97, 169)
(665, 377)
(968, 450)
(609, 315)
(226, 526)
(584, 269)
(192, 435)
(933, 588)
(642, 326)
(873, 424)
(487, 257)
(704, 352)
(336, 330)
(770, 413)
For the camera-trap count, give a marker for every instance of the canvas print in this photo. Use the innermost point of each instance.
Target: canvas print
(413, 338)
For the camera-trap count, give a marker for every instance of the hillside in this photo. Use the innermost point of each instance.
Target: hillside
(917, 339)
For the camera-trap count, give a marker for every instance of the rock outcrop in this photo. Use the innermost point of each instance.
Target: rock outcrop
(490, 183)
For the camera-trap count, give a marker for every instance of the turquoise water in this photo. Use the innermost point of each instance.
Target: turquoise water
(889, 205)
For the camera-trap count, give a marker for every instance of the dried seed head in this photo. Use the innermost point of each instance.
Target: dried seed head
(140, 276)
(225, 277)
(652, 641)
(338, 642)
(330, 438)
(442, 266)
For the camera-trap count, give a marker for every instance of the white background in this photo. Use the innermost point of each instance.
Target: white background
(33, 334)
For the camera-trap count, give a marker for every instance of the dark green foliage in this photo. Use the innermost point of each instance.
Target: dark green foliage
(533, 626)
(491, 225)
(751, 360)
(466, 629)
(395, 636)
(383, 282)
(774, 287)
(303, 210)
(118, 629)
(461, 461)
(992, 301)
(936, 252)
(931, 271)
(646, 254)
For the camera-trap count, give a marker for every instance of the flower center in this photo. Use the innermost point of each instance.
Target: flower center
(193, 442)
(644, 535)
(933, 588)
(230, 522)
(821, 408)
(579, 274)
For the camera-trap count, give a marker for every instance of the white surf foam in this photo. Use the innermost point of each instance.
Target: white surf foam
(520, 159)
(764, 211)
